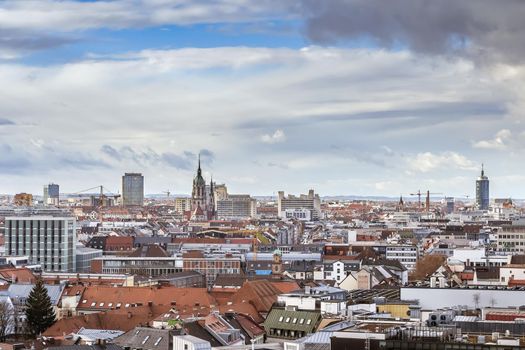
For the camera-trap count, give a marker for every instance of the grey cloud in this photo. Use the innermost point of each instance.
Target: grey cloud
(426, 113)
(18, 161)
(184, 161)
(111, 152)
(435, 27)
(22, 42)
(4, 121)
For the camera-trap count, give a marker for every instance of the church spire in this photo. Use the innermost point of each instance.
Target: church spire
(199, 171)
(482, 170)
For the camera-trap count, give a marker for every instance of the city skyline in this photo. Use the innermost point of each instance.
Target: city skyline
(280, 95)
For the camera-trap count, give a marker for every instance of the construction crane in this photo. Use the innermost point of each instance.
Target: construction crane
(427, 201)
(167, 193)
(102, 196)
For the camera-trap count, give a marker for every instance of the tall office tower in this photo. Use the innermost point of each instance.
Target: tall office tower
(51, 194)
(47, 237)
(482, 191)
(132, 189)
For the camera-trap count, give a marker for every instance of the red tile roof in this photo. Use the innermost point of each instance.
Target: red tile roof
(105, 297)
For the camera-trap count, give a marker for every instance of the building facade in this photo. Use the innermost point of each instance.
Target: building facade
(132, 189)
(47, 240)
(51, 194)
(482, 191)
(310, 201)
(236, 206)
(202, 198)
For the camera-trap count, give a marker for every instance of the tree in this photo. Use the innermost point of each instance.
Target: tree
(476, 297)
(39, 310)
(6, 319)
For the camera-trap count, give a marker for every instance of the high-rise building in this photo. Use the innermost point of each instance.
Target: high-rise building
(51, 194)
(132, 189)
(48, 238)
(482, 191)
(310, 201)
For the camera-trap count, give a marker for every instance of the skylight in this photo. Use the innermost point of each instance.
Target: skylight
(158, 341)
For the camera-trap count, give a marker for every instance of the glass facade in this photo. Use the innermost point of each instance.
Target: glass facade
(132, 189)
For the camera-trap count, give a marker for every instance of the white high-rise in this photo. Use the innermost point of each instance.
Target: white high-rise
(47, 238)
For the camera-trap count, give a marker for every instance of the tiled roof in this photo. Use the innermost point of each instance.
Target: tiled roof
(145, 338)
(261, 293)
(106, 298)
(150, 251)
(20, 275)
(305, 321)
(123, 319)
(285, 286)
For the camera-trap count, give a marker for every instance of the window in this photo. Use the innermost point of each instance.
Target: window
(118, 304)
(84, 301)
(308, 321)
(101, 304)
(145, 340)
(110, 304)
(281, 319)
(301, 321)
(294, 320)
(127, 305)
(287, 319)
(157, 341)
(93, 304)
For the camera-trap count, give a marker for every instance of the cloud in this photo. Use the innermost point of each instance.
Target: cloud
(483, 27)
(155, 109)
(277, 137)
(428, 161)
(4, 121)
(499, 142)
(148, 157)
(69, 15)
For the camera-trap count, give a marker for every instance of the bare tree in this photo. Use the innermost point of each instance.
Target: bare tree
(475, 298)
(6, 319)
(493, 302)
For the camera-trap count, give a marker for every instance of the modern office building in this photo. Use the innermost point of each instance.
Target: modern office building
(236, 206)
(51, 194)
(310, 201)
(47, 238)
(482, 191)
(84, 256)
(132, 189)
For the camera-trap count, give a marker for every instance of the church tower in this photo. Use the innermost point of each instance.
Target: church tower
(198, 196)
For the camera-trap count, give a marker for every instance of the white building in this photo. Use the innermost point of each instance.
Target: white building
(48, 240)
(406, 254)
(236, 206)
(310, 201)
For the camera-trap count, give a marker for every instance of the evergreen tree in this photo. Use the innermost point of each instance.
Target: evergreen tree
(39, 310)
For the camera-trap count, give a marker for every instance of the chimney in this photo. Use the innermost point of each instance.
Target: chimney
(129, 314)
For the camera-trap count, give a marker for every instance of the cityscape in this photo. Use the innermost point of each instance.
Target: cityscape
(270, 175)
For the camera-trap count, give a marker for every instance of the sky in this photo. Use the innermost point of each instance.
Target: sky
(348, 97)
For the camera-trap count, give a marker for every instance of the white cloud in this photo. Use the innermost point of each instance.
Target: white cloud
(314, 98)
(277, 137)
(499, 142)
(428, 161)
(67, 15)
